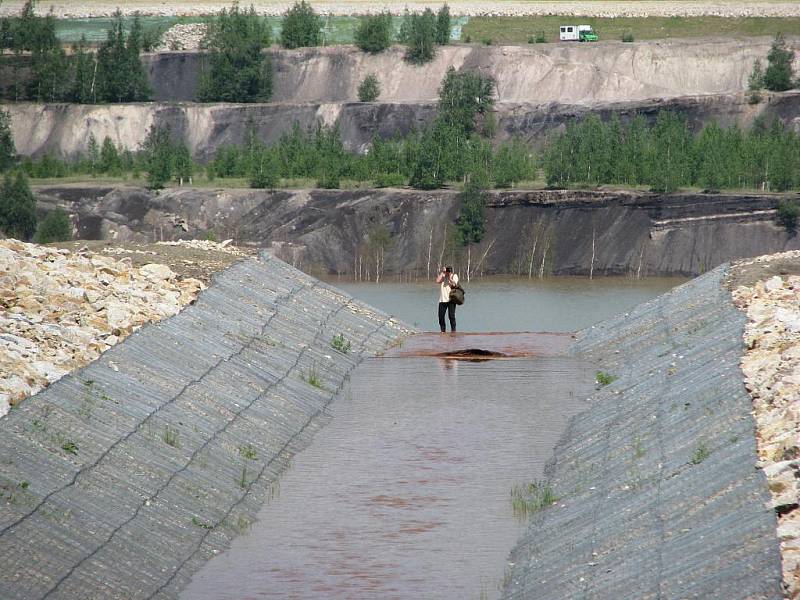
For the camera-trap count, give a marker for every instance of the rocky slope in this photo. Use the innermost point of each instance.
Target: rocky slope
(544, 232)
(60, 310)
(771, 365)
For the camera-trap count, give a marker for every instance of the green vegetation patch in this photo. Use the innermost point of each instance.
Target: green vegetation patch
(530, 498)
(604, 378)
(519, 30)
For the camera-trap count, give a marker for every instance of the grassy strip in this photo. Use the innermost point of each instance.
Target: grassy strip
(518, 30)
(200, 181)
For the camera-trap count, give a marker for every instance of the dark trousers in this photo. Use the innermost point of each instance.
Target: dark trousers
(450, 309)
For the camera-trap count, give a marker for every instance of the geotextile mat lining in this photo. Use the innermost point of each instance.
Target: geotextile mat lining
(119, 481)
(658, 491)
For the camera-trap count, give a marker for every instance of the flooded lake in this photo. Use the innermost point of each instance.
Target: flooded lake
(405, 493)
(505, 304)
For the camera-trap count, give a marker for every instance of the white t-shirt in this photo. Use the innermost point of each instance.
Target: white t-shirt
(444, 294)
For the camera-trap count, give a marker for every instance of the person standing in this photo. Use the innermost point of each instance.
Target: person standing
(446, 280)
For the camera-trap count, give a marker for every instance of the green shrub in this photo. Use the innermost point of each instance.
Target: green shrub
(7, 148)
(301, 27)
(110, 161)
(754, 97)
(701, 453)
(512, 163)
(383, 180)
(120, 75)
(788, 213)
(487, 41)
(369, 89)
(236, 69)
(778, 75)
(627, 37)
(531, 498)
(265, 171)
(443, 26)
(340, 344)
(604, 379)
(17, 207)
(420, 37)
(374, 33)
(158, 156)
(756, 80)
(55, 227)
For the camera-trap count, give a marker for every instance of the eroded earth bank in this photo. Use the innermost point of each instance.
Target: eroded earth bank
(529, 233)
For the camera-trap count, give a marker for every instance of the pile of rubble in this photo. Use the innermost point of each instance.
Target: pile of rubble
(207, 245)
(771, 366)
(183, 36)
(59, 310)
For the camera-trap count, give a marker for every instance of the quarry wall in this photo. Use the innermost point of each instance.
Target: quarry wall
(64, 129)
(567, 73)
(558, 232)
(539, 88)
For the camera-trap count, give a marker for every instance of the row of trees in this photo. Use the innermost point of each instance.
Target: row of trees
(664, 155)
(779, 74)
(237, 69)
(41, 70)
(667, 155)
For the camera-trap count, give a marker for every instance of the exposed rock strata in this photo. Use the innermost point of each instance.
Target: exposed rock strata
(64, 129)
(771, 366)
(530, 232)
(60, 310)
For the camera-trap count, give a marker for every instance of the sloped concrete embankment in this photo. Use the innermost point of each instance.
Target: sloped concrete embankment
(558, 232)
(121, 480)
(659, 494)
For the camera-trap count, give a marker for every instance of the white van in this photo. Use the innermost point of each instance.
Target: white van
(576, 33)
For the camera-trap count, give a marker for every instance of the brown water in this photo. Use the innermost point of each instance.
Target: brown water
(406, 492)
(514, 304)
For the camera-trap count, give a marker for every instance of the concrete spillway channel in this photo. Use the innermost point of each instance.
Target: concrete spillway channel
(162, 470)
